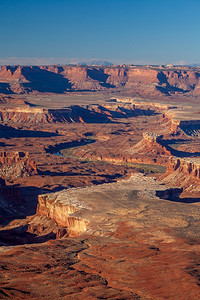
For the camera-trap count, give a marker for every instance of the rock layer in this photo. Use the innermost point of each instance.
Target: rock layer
(188, 167)
(184, 172)
(150, 150)
(16, 164)
(129, 253)
(52, 206)
(72, 114)
(140, 80)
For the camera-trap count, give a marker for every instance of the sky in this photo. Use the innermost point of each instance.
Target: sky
(120, 31)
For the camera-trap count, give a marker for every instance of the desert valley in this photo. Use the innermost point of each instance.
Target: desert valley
(100, 182)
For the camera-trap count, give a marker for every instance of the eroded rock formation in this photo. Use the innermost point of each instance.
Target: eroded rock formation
(34, 115)
(59, 79)
(184, 172)
(72, 114)
(183, 121)
(16, 164)
(152, 137)
(187, 166)
(116, 235)
(61, 209)
(170, 194)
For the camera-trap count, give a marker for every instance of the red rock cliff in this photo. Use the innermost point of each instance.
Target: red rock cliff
(137, 80)
(16, 164)
(188, 167)
(184, 172)
(61, 209)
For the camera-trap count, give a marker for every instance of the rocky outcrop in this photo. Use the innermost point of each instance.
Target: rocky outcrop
(183, 121)
(185, 173)
(11, 73)
(143, 80)
(170, 194)
(72, 114)
(152, 137)
(188, 167)
(34, 115)
(16, 164)
(61, 209)
(150, 150)
(8, 100)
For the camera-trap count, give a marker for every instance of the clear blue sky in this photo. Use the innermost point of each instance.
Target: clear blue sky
(121, 31)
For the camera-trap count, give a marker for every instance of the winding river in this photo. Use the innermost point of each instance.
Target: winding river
(67, 150)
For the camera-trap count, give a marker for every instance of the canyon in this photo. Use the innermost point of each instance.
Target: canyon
(154, 80)
(99, 182)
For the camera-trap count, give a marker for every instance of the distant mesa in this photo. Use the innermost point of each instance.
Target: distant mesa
(93, 76)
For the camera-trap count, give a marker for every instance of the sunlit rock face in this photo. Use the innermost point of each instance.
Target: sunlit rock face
(71, 114)
(61, 209)
(59, 79)
(185, 173)
(187, 166)
(152, 137)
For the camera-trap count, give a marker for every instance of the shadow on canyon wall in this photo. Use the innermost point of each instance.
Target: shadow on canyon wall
(175, 152)
(166, 88)
(77, 143)
(100, 76)
(174, 194)
(45, 81)
(20, 236)
(5, 88)
(10, 132)
(19, 207)
(101, 114)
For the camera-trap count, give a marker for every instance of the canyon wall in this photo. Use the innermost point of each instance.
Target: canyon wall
(186, 166)
(74, 210)
(183, 120)
(72, 114)
(16, 164)
(34, 115)
(138, 80)
(184, 173)
(10, 200)
(150, 150)
(62, 211)
(124, 108)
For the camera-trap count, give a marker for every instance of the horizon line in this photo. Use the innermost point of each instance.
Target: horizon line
(44, 61)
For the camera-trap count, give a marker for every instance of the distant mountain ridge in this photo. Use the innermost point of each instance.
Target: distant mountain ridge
(96, 63)
(194, 65)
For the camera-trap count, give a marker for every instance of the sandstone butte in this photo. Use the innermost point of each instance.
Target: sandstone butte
(99, 182)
